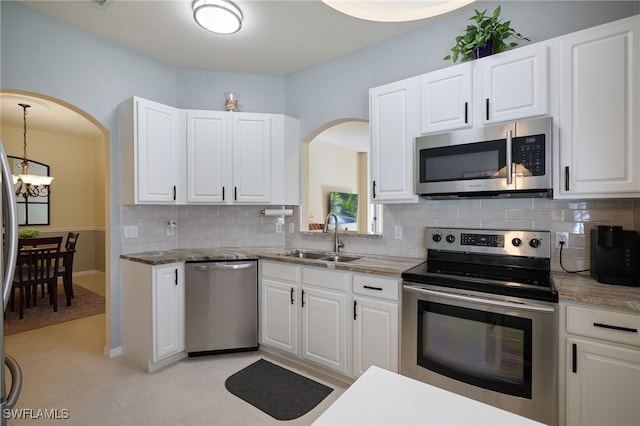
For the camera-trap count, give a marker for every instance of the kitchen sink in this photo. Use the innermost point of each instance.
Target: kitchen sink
(340, 258)
(305, 254)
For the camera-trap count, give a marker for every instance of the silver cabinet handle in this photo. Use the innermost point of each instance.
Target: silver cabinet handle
(16, 381)
(490, 302)
(11, 227)
(509, 157)
(222, 265)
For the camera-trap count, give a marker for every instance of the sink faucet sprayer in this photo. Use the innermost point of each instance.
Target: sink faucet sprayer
(337, 243)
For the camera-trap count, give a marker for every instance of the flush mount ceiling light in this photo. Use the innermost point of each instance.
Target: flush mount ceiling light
(217, 16)
(395, 11)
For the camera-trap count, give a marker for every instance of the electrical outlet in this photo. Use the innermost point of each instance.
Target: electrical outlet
(397, 232)
(562, 237)
(131, 231)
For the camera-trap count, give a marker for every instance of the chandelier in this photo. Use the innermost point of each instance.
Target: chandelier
(30, 185)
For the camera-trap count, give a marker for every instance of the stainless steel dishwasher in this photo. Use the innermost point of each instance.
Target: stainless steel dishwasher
(221, 306)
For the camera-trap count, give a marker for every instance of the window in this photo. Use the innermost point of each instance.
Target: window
(31, 210)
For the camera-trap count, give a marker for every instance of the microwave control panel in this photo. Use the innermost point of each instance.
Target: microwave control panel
(529, 153)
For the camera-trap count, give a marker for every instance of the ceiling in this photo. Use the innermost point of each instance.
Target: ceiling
(277, 37)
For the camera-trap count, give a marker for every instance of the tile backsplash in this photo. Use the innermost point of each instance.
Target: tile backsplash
(245, 226)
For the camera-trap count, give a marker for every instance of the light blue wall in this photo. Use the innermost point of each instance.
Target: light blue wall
(42, 55)
(339, 88)
(202, 89)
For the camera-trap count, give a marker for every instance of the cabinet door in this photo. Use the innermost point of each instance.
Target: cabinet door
(599, 109)
(207, 157)
(603, 384)
(251, 158)
(375, 335)
(279, 315)
(158, 150)
(446, 99)
(324, 328)
(514, 84)
(168, 311)
(394, 121)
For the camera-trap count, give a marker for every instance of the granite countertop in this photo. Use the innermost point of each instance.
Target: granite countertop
(571, 287)
(367, 263)
(583, 288)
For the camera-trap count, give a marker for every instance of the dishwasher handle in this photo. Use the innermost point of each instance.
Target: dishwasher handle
(222, 265)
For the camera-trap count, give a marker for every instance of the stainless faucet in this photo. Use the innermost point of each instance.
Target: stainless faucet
(337, 243)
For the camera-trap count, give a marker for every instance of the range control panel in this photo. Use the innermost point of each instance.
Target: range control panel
(490, 241)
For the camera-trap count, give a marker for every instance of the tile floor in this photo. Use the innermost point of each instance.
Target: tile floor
(64, 369)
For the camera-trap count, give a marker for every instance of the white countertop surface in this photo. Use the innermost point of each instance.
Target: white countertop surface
(380, 397)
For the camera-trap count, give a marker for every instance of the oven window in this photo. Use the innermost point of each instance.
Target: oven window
(483, 160)
(485, 349)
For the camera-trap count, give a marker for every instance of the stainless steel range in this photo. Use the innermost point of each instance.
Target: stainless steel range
(480, 318)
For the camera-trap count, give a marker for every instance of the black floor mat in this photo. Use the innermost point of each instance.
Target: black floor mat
(282, 394)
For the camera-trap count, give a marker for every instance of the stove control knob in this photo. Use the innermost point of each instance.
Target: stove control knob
(450, 238)
(534, 242)
(516, 242)
(436, 238)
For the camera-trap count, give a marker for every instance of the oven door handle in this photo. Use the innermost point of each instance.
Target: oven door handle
(471, 299)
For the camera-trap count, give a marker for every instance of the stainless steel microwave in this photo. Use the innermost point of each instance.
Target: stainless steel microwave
(504, 160)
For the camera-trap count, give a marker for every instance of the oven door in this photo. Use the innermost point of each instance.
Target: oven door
(498, 350)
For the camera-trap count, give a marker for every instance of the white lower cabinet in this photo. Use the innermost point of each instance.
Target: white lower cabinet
(339, 320)
(324, 328)
(375, 323)
(279, 306)
(602, 366)
(153, 313)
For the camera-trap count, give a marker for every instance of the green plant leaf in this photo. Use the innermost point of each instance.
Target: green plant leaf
(485, 28)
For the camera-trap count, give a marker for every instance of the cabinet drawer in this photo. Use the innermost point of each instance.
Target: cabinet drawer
(601, 324)
(369, 285)
(282, 271)
(326, 279)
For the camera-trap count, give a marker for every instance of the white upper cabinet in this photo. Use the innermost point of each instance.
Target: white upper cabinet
(509, 86)
(207, 156)
(251, 148)
(515, 84)
(173, 156)
(446, 99)
(151, 153)
(242, 158)
(394, 122)
(599, 101)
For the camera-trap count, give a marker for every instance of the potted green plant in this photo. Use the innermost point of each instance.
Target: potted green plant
(487, 35)
(29, 233)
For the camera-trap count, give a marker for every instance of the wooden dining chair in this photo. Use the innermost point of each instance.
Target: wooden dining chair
(37, 264)
(65, 270)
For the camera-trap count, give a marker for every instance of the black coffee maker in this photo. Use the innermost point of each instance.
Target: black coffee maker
(614, 256)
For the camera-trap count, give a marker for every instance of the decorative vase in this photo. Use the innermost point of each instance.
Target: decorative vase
(231, 101)
(484, 50)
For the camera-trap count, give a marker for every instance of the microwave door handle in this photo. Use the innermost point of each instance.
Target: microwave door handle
(509, 157)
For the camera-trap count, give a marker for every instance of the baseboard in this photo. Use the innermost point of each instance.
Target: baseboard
(91, 271)
(113, 353)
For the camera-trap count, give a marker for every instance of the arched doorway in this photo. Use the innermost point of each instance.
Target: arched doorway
(76, 146)
(335, 165)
